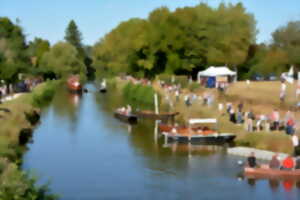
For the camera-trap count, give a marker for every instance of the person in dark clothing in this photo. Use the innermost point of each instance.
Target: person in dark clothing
(252, 160)
(240, 107)
(251, 115)
(232, 117)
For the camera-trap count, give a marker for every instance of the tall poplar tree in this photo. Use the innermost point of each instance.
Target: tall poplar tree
(74, 37)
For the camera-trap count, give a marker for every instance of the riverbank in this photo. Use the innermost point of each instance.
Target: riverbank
(260, 97)
(18, 117)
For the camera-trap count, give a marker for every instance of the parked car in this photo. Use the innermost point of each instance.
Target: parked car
(271, 77)
(257, 77)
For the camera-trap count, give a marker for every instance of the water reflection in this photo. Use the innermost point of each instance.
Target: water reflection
(275, 184)
(67, 104)
(190, 148)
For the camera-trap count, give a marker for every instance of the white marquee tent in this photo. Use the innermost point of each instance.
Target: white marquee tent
(214, 75)
(216, 71)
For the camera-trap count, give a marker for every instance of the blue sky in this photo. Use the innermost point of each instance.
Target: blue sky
(95, 18)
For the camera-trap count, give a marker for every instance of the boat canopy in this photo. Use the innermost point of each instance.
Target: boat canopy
(203, 121)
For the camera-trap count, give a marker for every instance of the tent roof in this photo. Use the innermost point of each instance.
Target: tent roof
(217, 71)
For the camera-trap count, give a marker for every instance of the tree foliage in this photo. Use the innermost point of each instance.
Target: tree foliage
(63, 60)
(177, 42)
(74, 37)
(287, 38)
(13, 56)
(36, 50)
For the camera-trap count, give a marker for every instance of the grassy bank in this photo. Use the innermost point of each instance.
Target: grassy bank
(18, 117)
(261, 97)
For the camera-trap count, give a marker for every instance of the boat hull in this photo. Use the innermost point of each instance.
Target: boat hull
(103, 90)
(209, 139)
(153, 115)
(261, 173)
(131, 119)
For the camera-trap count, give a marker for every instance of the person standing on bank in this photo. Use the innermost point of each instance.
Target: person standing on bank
(232, 117)
(282, 91)
(295, 141)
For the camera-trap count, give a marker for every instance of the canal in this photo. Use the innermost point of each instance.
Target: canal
(83, 152)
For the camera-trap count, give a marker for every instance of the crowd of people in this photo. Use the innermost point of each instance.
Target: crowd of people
(260, 122)
(25, 85)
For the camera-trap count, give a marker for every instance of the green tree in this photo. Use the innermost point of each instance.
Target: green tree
(178, 42)
(13, 55)
(36, 50)
(63, 60)
(74, 37)
(288, 39)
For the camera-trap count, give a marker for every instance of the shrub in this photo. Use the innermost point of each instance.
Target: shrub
(137, 93)
(194, 86)
(43, 96)
(182, 80)
(15, 184)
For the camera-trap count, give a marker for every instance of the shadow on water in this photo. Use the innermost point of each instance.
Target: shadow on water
(88, 154)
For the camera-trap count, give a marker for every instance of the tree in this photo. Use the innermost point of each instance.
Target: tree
(13, 55)
(36, 50)
(62, 59)
(74, 37)
(178, 42)
(288, 39)
(270, 60)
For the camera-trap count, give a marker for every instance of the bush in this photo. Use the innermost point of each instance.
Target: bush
(15, 184)
(166, 78)
(43, 96)
(137, 93)
(194, 86)
(182, 80)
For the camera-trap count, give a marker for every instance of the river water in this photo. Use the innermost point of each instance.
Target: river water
(86, 154)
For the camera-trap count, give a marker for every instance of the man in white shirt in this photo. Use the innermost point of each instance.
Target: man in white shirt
(283, 91)
(295, 141)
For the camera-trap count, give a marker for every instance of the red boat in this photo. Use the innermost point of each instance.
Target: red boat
(267, 173)
(74, 84)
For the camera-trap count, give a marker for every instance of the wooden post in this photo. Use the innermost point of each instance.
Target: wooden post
(166, 139)
(156, 131)
(156, 103)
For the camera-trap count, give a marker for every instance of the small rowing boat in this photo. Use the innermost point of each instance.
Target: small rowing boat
(268, 173)
(152, 115)
(103, 90)
(128, 118)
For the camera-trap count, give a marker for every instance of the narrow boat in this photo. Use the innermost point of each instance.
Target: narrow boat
(103, 90)
(202, 134)
(152, 115)
(267, 173)
(128, 118)
(74, 84)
